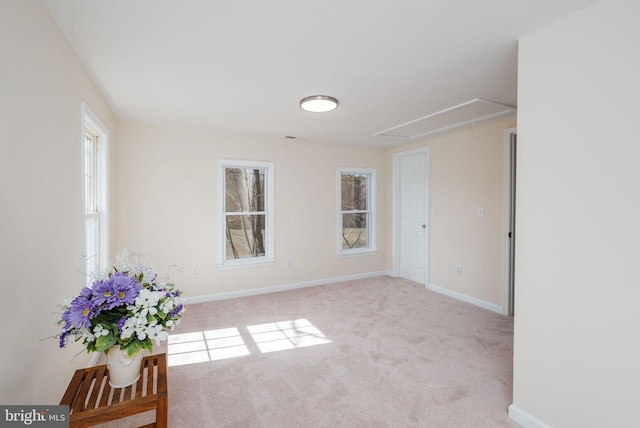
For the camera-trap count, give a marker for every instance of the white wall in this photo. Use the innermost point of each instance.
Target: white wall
(577, 352)
(41, 88)
(168, 206)
(466, 171)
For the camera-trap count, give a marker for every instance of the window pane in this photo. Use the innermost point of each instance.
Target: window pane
(354, 191)
(244, 189)
(245, 236)
(355, 230)
(92, 236)
(89, 174)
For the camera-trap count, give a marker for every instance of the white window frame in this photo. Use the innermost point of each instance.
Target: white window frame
(268, 258)
(371, 210)
(93, 125)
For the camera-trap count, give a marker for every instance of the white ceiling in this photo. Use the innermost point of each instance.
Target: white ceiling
(243, 65)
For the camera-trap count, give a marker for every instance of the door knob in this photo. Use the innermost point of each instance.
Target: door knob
(424, 226)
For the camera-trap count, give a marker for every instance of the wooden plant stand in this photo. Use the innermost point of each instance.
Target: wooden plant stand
(92, 401)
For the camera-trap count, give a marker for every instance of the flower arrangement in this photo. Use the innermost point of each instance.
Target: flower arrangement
(124, 306)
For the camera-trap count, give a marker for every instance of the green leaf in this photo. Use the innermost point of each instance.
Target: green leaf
(136, 346)
(103, 343)
(114, 329)
(133, 348)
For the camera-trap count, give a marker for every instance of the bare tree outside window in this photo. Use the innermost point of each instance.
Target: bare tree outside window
(354, 190)
(245, 212)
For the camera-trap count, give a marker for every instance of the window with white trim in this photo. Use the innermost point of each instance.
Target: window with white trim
(246, 200)
(356, 210)
(95, 140)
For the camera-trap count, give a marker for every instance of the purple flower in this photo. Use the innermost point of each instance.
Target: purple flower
(86, 292)
(120, 324)
(102, 292)
(120, 289)
(79, 314)
(175, 311)
(126, 288)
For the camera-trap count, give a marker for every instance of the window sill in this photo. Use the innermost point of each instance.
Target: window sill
(362, 252)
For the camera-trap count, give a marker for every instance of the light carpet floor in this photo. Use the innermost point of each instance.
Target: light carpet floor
(377, 352)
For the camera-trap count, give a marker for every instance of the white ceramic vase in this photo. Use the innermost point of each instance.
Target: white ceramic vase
(123, 369)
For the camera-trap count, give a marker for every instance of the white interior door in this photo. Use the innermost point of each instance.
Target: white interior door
(412, 187)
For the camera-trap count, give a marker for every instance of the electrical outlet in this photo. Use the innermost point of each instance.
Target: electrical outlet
(195, 272)
(459, 270)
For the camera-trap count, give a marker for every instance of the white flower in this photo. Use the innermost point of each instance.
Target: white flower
(148, 300)
(121, 263)
(99, 274)
(71, 337)
(166, 306)
(171, 324)
(85, 334)
(127, 330)
(156, 332)
(148, 273)
(135, 324)
(99, 330)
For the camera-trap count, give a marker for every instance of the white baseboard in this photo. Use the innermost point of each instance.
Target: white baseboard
(477, 302)
(277, 288)
(525, 419)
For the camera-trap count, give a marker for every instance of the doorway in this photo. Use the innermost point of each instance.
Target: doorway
(410, 215)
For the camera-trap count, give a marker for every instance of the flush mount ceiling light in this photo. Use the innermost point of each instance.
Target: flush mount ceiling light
(318, 103)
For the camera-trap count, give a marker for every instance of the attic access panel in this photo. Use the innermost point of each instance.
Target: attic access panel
(462, 114)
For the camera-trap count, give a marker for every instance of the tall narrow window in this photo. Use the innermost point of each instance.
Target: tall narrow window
(247, 212)
(95, 225)
(356, 214)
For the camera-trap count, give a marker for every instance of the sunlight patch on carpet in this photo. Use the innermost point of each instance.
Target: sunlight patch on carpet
(213, 345)
(202, 346)
(280, 336)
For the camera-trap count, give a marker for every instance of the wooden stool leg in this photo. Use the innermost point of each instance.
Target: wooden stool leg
(162, 412)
